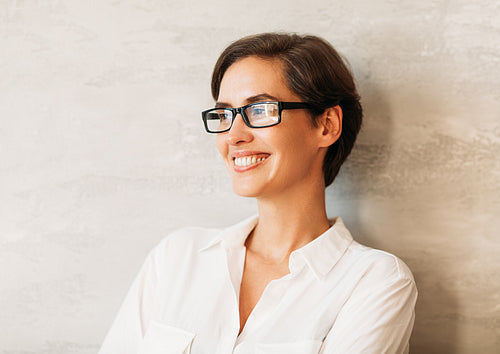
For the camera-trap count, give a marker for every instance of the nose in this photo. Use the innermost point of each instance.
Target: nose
(239, 132)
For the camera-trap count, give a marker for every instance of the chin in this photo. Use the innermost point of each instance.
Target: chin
(244, 190)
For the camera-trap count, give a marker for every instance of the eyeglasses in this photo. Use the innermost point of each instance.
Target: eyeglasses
(255, 115)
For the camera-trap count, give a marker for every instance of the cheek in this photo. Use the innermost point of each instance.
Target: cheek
(221, 146)
(298, 146)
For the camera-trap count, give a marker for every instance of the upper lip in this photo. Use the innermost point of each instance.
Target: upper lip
(243, 153)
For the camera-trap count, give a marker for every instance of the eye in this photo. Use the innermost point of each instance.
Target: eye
(218, 119)
(224, 115)
(262, 110)
(258, 110)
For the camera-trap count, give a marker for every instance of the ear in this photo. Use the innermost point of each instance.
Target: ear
(330, 125)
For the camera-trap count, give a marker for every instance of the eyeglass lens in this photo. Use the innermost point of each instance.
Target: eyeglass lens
(261, 115)
(219, 119)
(258, 115)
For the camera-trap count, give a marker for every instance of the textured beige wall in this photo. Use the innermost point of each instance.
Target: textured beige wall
(102, 152)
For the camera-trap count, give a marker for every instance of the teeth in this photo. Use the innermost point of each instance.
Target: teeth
(248, 160)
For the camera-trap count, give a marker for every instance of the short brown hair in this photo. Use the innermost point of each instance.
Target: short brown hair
(315, 72)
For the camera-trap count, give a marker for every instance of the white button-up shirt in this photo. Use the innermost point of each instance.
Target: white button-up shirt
(339, 297)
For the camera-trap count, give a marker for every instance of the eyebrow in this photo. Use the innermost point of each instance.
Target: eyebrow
(252, 99)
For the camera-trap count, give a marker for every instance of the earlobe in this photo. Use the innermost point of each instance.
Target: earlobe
(331, 125)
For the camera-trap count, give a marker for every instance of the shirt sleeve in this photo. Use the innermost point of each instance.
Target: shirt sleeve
(378, 317)
(129, 326)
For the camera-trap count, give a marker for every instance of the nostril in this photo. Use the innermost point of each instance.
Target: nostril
(239, 132)
(236, 139)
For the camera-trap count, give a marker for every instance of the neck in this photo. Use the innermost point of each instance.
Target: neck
(288, 222)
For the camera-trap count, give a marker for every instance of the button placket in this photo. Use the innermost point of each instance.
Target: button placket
(266, 306)
(235, 263)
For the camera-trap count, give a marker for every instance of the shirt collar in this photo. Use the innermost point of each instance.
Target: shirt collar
(320, 255)
(233, 236)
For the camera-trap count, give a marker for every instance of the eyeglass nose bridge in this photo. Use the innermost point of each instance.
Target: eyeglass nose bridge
(241, 112)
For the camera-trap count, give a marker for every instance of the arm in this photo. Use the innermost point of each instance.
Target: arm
(377, 318)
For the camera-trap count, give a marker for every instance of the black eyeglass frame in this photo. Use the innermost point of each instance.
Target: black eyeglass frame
(241, 111)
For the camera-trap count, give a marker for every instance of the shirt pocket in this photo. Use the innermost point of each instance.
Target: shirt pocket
(163, 339)
(301, 347)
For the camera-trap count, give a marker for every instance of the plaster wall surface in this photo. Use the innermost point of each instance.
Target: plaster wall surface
(102, 152)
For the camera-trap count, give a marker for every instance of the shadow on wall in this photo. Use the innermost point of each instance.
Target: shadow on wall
(378, 212)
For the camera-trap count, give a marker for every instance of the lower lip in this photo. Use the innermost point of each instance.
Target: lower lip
(247, 168)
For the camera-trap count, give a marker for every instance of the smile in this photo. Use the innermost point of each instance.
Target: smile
(246, 161)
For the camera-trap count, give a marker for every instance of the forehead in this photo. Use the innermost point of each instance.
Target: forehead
(253, 76)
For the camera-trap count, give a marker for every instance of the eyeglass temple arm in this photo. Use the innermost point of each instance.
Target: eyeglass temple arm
(294, 105)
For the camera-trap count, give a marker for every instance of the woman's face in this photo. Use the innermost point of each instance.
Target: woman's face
(267, 161)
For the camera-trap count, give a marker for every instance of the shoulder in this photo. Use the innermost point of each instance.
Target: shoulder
(358, 261)
(188, 238)
(181, 244)
(192, 236)
(378, 308)
(376, 280)
(377, 265)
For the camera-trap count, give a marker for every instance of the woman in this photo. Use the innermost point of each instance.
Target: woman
(289, 280)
